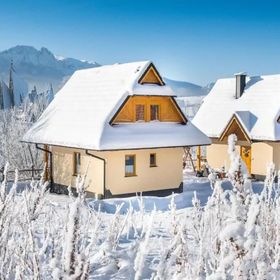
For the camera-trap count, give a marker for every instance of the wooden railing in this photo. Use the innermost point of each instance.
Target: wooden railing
(23, 174)
(191, 158)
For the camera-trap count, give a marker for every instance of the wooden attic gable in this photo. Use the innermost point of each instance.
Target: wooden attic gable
(151, 76)
(235, 127)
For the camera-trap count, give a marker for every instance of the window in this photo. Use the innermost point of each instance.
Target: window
(140, 112)
(153, 160)
(154, 112)
(77, 163)
(130, 168)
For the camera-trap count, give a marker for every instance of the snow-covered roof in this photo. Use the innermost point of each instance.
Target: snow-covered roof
(257, 109)
(80, 114)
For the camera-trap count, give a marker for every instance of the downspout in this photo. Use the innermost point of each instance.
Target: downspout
(104, 170)
(51, 169)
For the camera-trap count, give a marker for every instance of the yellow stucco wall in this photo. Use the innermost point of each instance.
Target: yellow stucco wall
(217, 155)
(262, 154)
(63, 169)
(167, 174)
(276, 155)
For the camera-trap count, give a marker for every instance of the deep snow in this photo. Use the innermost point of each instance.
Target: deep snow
(182, 200)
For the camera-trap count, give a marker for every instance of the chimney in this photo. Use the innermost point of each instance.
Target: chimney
(240, 84)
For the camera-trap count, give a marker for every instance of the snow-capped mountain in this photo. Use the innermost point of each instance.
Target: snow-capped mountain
(40, 67)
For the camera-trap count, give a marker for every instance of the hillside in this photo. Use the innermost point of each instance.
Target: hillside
(186, 89)
(189, 95)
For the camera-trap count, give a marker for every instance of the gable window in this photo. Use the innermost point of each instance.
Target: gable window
(153, 160)
(130, 165)
(140, 112)
(154, 112)
(278, 120)
(77, 163)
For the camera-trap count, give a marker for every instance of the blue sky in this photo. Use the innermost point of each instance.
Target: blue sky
(191, 40)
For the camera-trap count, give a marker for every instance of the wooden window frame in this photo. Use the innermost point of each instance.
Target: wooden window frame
(134, 166)
(158, 105)
(75, 171)
(155, 156)
(135, 115)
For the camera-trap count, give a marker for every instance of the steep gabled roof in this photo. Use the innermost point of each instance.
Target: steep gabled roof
(80, 114)
(257, 109)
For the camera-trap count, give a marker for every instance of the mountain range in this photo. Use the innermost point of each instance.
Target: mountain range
(41, 68)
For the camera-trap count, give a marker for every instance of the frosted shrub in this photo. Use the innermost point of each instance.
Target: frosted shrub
(14, 123)
(236, 235)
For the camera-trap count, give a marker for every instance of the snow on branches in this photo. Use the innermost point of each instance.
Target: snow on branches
(235, 235)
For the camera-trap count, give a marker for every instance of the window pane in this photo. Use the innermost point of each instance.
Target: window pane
(154, 112)
(140, 112)
(77, 163)
(129, 169)
(152, 159)
(130, 165)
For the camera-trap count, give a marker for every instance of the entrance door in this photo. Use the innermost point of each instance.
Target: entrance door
(246, 155)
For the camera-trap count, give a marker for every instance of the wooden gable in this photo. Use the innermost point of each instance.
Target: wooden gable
(235, 127)
(168, 109)
(151, 76)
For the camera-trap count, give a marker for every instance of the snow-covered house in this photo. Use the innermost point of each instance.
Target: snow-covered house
(121, 126)
(250, 108)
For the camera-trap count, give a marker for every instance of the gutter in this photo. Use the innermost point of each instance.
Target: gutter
(51, 157)
(104, 170)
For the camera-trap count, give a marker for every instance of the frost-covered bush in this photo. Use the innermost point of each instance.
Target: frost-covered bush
(14, 123)
(236, 235)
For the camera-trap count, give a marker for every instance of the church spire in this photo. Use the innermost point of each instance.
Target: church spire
(11, 84)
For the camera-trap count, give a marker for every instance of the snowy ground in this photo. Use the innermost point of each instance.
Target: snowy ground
(182, 200)
(125, 239)
(131, 220)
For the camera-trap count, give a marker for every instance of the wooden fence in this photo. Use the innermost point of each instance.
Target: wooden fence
(23, 174)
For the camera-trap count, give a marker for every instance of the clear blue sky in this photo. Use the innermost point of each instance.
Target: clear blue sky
(192, 40)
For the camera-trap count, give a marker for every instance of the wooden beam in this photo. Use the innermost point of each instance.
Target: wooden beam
(198, 158)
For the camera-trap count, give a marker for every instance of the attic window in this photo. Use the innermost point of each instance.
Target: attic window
(154, 112)
(140, 112)
(278, 120)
